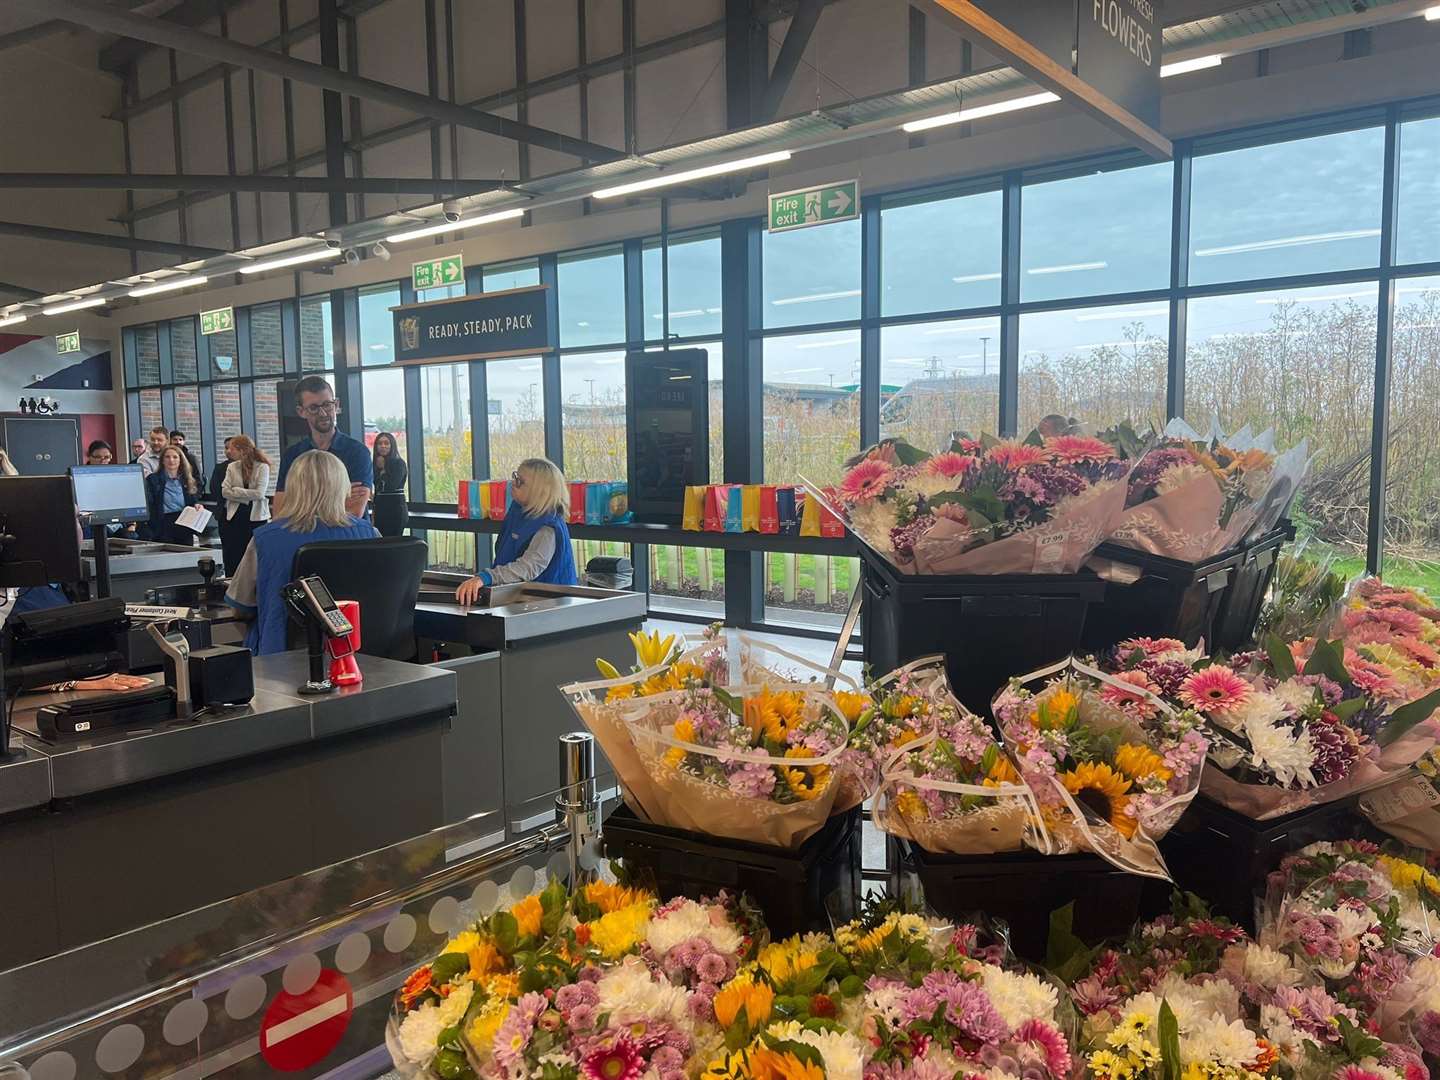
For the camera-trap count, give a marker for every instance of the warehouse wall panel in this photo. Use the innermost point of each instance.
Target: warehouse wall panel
(551, 37)
(484, 49)
(557, 111)
(681, 97)
(655, 19)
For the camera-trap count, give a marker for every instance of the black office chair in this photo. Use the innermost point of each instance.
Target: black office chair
(390, 513)
(383, 575)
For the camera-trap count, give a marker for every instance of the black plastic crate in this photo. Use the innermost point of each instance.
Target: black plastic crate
(1170, 598)
(1239, 611)
(798, 890)
(988, 626)
(1025, 887)
(1224, 856)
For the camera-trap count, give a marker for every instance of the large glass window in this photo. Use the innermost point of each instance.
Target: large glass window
(808, 590)
(225, 399)
(940, 254)
(317, 342)
(1417, 232)
(1099, 365)
(515, 275)
(1412, 491)
(267, 343)
(939, 378)
(1102, 232)
(592, 415)
(516, 414)
(445, 415)
(695, 287)
(384, 396)
(147, 356)
(182, 350)
(223, 355)
(377, 328)
(1303, 362)
(811, 405)
(1298, 207)
(592, 298)
(812, 275)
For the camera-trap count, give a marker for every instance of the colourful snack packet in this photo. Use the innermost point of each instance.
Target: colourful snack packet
(787, 511)
(694, 515)
(499, 499)
(769, 509)
(462, 499)
(715, 501)
(577, 502)
(830, 524)
(480, 500)
(734, 509)
(810, 516)
(750, 507)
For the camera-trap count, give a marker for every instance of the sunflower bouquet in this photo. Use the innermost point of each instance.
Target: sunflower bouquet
(984, 506)
(1106, 779)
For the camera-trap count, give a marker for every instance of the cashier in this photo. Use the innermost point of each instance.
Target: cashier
(534, 543)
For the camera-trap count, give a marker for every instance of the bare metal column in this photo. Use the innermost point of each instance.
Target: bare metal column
(577, 805)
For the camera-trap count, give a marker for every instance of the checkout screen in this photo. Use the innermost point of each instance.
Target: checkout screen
(113, 491)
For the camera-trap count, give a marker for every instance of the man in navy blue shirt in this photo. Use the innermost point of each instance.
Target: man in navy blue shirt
(315, 401)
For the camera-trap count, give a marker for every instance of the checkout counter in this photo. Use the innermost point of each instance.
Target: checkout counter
(141, 567)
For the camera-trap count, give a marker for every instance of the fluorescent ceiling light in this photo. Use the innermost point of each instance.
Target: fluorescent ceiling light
(1315, 299)
(1068, 268)
(11, 320)
(829, 343)
(972, 328)
(966, 279)
(317, 255)
(1136, 313)
(667, 179)
(1287, 241)
(78, 305)
(803, 370)
(1184, 67)
(843, 294)
(454, 226)
(169, 286)
(978, 112)
(1432, 13)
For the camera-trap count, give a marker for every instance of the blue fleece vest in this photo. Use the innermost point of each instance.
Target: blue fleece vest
(275, 548)
(515, 535)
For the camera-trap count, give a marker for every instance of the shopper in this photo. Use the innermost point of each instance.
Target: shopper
(217, 478)
(99, 453)
(137, 450)
(534, 543)
(389, 466)
(168, 491)
(245, 491)
(149, 461)
(177, 438)
(315, 401)
(314, 510)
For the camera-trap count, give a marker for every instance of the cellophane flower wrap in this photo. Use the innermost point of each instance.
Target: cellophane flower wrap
(953, 788)
(1395, 631)
(985, 506)
(722, 745)
(1110, 772)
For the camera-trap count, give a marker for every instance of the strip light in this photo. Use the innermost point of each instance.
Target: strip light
(11, 320)
(667, 179)
(78, 305)
(454, 226)
(318, 255)
(1184, 67)
(169, 286)
(979, 112)
(1432, 14)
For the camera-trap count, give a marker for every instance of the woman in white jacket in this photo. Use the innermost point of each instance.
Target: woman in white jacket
(245, 491)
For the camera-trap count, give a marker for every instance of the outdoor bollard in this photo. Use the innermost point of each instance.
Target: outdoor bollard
(577, 806)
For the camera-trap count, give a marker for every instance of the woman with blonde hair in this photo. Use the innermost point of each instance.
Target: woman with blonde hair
(168, 491)
(245, 490)
(316, 488)
(534, 541)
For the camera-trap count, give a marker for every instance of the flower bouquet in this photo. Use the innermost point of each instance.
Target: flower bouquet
(986, 506)
(1395, 632)
(1107, 778)
(953, 788)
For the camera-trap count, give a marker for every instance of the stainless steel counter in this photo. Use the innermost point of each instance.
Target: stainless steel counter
(523, 613)
(24, 777)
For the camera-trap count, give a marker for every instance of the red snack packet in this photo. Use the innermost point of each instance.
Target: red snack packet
(462, 500)
(499, 499)
(830, 525)
(717, 499)
(577, 502)
(769, 508)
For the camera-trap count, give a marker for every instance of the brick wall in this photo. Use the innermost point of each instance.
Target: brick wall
(147, 358)
(315, 343)
(182, 352)
(267, 347)
(226, 397)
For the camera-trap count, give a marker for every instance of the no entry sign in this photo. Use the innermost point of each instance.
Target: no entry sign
(300, 1029)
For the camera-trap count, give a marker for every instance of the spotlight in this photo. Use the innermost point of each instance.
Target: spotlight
(333, 238)
(451, 209)
(381, 252)
(352, 256)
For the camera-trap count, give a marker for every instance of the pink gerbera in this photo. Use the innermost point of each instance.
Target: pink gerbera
(1150, 646)
(1214, 689)
(950, 465)
(865, 481)
(621, 1060)
(1136, 705)
(1043, 1044)
(966, 446)
(1356, 1072)
(1014, 455)
(1074, 448)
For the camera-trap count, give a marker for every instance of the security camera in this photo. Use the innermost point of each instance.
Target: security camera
(333, 238)
(352, 256)
(381, 252)
(451, 209)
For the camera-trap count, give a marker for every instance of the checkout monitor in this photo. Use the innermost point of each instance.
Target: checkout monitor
(110, 493)
(39, 538)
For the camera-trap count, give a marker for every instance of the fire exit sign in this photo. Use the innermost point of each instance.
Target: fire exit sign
(814, 206)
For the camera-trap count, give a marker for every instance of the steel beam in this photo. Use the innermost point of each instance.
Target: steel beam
(124, 243)
(281, 185)
(115, 56)
(97, 15)
(792, 51)
(333, 110)
(20, 290)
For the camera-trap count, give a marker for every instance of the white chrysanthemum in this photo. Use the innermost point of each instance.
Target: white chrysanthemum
(421, 1028)
(886, 1004)
(690, 920)
(1280, 1032)
(1018, 996)
(932, 484)
(629, 992)
(1268, 967)
(1275, 748)
(873, 520)
(1354, 921)
(1214, 1041)
(842, 1052)
(1320, 847)
(1296, 697)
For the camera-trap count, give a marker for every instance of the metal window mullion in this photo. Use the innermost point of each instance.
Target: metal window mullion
(1179, 278)
(550, 365)
(1384, 348)
(345, 330)
(290, 337)
(247, 405)
(870, 285)
(1009, 418)
(288, 101)
(244, 361)
(167, 407)
(480, 443)
(742, 388)
(634, 269)
(415, 431)
(162, 348)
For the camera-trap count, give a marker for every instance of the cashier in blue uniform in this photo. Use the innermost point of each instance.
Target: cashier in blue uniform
(315, 401)
(534, 543)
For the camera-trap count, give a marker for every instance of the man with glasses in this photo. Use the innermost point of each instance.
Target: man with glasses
(315, 401)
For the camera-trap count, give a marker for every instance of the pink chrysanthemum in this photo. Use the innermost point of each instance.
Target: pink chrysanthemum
(1150, 646)
(1043, 1044)
(1075, 448)
(1214, 689)
(1014, 455)
(620, 1060)
(950, 465)
(865, 481)
(1136, 705)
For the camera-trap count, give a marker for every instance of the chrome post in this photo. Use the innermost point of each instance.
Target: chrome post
(577, 807)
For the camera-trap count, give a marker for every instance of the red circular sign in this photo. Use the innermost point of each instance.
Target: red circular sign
(300, 1029)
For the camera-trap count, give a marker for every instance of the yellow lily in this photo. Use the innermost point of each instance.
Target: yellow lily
(607, 669)
(650, 649)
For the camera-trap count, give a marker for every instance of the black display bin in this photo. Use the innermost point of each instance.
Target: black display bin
(1024, 887)
(1224, 856)
(798, 890)
(988, 626)
(1240, 609)
(1169, 599)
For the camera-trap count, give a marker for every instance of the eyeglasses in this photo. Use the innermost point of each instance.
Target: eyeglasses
(516, 480)
(321, 409)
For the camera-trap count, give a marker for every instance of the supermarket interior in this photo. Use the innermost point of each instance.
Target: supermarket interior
(745, 539)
